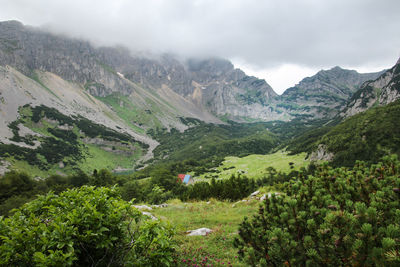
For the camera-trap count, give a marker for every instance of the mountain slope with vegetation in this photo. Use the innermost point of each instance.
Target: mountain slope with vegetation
(366, 136)
(63, 144)
(324, 94)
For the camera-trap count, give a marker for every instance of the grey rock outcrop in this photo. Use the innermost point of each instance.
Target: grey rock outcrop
(324, 94)
(321, 153)
(152, 217)
(143, 207)
(380, 91)
(4, 166)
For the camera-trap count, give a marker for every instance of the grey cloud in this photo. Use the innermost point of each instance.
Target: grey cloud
(261, 33)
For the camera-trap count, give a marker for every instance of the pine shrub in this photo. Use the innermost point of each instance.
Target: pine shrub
(336, 217)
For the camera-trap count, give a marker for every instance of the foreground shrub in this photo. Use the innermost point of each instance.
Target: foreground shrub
(338, 217)
(83, 227)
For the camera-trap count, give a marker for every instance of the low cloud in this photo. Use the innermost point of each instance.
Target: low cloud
(263, 34)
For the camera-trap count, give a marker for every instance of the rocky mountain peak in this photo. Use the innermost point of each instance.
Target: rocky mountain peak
(324, 94)
(11, 24)
(380, 91)
(212, 84)
(211, 66)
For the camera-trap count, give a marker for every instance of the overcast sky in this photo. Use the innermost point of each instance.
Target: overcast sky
(281, 41)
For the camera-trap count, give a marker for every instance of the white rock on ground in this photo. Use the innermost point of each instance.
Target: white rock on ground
(255, 193)
(164, 205)
(269, 195)
(200, 231)
(4, 166)
(154, 218)
(143, 207)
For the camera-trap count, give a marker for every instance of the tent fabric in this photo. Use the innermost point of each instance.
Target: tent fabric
(181, 176)
(186, 179)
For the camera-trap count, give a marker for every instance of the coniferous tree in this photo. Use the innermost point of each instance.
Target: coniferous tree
(336, 217)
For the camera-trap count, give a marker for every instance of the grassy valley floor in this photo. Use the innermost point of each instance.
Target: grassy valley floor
(223, 218)
(255, 166)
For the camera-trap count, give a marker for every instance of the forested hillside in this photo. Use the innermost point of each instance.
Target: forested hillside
(366, 136)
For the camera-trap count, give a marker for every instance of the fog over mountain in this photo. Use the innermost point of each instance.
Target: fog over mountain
(266, 36)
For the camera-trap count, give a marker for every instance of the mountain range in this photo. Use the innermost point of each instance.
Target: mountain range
(114, 90)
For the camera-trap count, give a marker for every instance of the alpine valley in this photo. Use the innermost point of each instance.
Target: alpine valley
(97, 129)
(107, 104)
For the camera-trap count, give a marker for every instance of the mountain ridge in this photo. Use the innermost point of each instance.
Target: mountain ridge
(383, 90)
(133, 94)
(102, 71)
(206, 88)
(323, 94)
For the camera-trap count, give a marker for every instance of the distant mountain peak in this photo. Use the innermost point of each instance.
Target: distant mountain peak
(336, 68)
(14, 23)
(325, 93)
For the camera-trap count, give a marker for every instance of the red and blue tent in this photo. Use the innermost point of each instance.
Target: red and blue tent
(184, 178)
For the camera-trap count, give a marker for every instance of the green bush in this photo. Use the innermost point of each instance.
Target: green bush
(338, 217)
(85, 226)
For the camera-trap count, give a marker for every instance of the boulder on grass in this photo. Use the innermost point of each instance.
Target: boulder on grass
(200, 231)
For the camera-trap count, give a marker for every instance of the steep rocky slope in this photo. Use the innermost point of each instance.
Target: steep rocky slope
(193, 88)
(41, 68)
(324, 94)
(134, 94)
(111, 87)
(381, 91)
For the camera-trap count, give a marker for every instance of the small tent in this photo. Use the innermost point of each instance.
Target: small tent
(185, 178)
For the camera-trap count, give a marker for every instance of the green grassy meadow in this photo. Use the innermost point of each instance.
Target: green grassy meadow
(254, 166)
(223, 218)
(98, 158)
(87, 156)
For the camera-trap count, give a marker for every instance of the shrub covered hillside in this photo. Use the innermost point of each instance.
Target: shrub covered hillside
(336, 217)
(204, 140)
(83, 227)
(366, 136)
(73, 142)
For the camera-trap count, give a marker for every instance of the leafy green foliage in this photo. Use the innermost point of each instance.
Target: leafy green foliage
(18, 188)
(336, 217)
(83, 227)
(13, 183)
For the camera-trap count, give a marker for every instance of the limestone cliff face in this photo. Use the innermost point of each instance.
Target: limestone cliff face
(39, 68)
(380, 91)
(211, 85)
(200, 88)
(225, 90)
(28, 49)
(324, 94)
